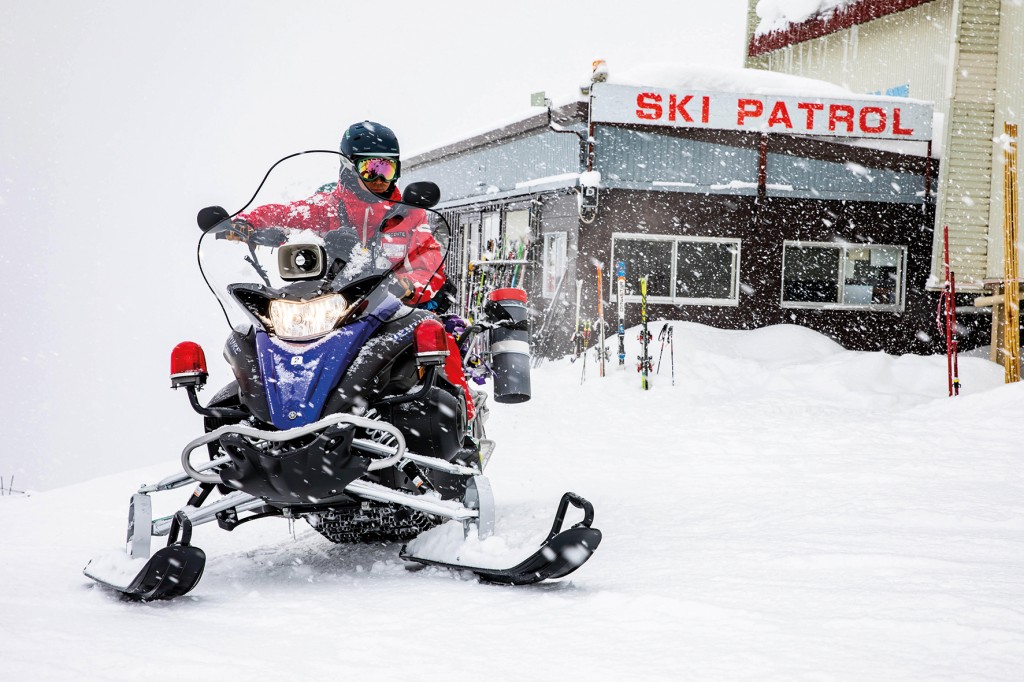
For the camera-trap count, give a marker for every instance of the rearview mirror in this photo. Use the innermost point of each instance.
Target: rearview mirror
(210, 217)
(424, 194)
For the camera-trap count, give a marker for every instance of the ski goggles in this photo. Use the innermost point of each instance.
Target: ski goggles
(374, 168)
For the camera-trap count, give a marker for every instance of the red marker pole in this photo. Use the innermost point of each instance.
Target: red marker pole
(949, 298)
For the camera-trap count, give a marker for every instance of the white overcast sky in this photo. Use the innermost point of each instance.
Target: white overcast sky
(120, 119)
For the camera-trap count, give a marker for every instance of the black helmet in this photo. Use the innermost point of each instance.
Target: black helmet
(369, 139)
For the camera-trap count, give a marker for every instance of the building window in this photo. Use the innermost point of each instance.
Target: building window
(854, 276)
(473, 230)
(517, 232)
(683, 270)
(490, 242)
(554, 262)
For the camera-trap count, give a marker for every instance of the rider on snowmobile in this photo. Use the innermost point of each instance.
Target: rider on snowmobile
(371, 162)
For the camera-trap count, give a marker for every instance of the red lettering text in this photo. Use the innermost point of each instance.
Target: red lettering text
(648, 106)
(896, 129)
(705, 112)
(679, 106)
(779, 115)
(810, 108)
(748, 108)
(876, 111)
(840, 113)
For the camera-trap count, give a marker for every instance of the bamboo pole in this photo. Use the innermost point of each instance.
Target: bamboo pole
(1011, 309)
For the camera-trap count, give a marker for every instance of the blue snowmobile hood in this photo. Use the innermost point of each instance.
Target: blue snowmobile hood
(298, 378)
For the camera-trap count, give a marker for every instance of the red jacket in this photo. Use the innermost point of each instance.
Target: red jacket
(405, 240)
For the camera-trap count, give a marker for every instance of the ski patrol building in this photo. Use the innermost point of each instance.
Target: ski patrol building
(748, 199)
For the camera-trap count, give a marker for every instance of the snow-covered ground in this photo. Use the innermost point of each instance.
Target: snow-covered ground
(787, 510)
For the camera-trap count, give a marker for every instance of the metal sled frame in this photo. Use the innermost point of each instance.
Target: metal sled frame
(142, 527)
(175, 569)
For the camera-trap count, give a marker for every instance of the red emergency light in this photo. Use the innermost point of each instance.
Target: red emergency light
(188, 365)
(431, 342)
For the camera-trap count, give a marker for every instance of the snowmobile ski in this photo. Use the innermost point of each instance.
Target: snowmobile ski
(172, 572)
(559, 555)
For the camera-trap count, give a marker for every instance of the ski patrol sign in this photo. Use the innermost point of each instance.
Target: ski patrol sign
(877, 117)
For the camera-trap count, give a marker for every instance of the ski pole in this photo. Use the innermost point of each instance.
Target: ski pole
(586, 343)
(672, 355)
(661, 337)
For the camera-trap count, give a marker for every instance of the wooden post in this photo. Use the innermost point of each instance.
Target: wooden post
(1011, 288)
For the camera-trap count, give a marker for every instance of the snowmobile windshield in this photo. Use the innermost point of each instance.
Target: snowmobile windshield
(314, 248)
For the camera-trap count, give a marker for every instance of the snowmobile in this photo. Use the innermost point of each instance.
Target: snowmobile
(340, 413)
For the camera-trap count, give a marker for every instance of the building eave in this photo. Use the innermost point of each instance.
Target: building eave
(573, 112)
(853, 15)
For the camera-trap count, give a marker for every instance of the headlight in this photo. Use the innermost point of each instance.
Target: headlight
(301, 321)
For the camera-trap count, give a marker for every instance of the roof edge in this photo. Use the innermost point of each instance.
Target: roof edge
(852, 15)
(563, 115)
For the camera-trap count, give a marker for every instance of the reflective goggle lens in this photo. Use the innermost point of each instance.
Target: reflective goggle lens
(370, 169)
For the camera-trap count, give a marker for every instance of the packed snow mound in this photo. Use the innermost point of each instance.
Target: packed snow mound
(780, 344)
(725, 79)
(778, 15)
(788, 362)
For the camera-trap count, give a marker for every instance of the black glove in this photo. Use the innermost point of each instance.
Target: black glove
(402, 287)
(239, 231)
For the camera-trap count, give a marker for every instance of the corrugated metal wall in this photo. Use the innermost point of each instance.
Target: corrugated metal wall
(500, 167)
(630, 156)
(1009, 108)
(798, 177)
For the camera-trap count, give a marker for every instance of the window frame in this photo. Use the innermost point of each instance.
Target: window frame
(732, 301)
(844, 247)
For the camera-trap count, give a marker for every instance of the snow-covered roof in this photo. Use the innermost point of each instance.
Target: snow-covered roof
(778, 15)
(787, 22)
(725, 79)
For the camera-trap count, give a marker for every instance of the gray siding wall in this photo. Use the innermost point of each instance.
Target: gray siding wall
(812, 178)
(635, 159)
(501, 167)
(626, 157)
